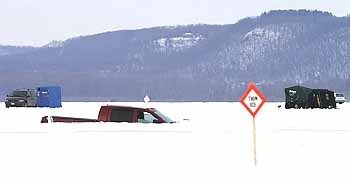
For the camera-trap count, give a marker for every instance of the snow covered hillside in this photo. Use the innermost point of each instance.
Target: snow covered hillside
(215, 143)
(199, 62)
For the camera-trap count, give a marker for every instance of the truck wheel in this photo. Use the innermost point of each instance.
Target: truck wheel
(287, 106)
(296, 106)
(7, 106)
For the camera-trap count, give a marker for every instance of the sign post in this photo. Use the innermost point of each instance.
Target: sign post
(253, 100)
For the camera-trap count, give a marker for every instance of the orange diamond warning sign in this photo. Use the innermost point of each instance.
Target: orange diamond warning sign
(253, 99)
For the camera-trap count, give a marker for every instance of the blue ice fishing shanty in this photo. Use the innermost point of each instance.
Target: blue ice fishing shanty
(49, 96)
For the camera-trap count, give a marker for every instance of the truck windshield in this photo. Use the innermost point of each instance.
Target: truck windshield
(339, 95)
(166, 118)
(19, 94)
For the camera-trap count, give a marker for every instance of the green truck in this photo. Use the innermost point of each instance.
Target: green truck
(303, 97)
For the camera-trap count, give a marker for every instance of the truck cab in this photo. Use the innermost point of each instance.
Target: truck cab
(339, 98)
(132, 114)
(21, 98)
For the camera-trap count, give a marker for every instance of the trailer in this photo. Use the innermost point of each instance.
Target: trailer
(297, 97)
(49, 96)
(303, 97)
(323, 98)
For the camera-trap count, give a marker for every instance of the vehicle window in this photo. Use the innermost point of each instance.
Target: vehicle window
(164, 117)
(119, 115)
(19, 93)
(145, 117)
(339, 95)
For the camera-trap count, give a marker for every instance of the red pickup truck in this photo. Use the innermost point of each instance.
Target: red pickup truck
(117, 114)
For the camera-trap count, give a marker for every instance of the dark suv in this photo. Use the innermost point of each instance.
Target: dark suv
(21, 98)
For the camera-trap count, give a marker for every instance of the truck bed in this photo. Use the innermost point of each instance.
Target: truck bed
(66, 119)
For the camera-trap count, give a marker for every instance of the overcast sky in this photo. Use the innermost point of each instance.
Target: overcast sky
(36, 22)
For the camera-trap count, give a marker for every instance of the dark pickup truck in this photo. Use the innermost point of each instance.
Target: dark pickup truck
(117, 114)
(21, 98)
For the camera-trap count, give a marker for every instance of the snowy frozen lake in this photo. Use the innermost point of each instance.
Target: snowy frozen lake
(216, 142)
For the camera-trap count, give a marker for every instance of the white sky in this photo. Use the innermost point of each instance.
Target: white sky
(36, 22)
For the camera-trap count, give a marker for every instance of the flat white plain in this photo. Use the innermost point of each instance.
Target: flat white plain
(216, 142)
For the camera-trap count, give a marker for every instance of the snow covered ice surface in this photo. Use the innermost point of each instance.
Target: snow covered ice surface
(216, 142)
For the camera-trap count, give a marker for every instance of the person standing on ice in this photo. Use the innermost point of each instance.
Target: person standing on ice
(146, 99)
